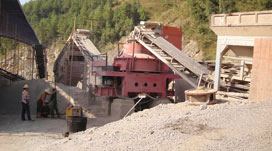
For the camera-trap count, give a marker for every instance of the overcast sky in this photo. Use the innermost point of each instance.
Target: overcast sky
(23, 1)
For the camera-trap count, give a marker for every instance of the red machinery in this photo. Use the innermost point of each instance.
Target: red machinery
(136, 70)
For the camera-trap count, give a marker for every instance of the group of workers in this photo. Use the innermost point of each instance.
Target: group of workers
(47, 103)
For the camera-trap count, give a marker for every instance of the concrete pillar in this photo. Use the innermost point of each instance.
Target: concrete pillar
(120, 107)
(261, 81)
(220, 51)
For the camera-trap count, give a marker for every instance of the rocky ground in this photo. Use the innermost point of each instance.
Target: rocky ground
(227, 125)
(223, 126)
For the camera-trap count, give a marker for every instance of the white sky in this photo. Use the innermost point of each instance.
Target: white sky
(23, 1)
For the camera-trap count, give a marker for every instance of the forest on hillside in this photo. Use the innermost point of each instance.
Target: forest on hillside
(195, 14)
(53, 20)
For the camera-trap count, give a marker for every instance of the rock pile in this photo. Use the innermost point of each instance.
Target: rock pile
(224, 126)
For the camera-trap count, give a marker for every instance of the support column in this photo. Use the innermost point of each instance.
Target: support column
(242, 69)
(84, 80)
(220, 51)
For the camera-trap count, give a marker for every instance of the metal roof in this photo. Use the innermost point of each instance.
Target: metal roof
(14, 24)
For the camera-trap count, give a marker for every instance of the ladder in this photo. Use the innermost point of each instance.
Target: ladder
(179, 62)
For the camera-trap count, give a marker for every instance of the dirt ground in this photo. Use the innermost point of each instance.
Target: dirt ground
(25, 135)
(17, 135)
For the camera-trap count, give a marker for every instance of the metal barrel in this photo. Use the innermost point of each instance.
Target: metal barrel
(76, 124)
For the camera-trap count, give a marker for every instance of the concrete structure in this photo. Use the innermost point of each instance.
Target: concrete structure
(261, 81)
(11, 94)
(4, 82)
(14, 25)
(238, 32)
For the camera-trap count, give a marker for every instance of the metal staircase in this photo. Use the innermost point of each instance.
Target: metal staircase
(179, 62)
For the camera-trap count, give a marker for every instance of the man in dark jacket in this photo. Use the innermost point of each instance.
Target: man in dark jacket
(53, 105)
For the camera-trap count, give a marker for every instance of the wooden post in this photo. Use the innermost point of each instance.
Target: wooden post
(15, 51)
(23, 62)
(5, 66)
(71, 63)
(84, 81)
(242, 69)
(13, 63)
(6, 48)
(72, 54)
(32, 64)
(1, 59)
(18, 57)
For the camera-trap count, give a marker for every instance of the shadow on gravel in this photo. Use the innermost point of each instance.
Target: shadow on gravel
(220, 102)
(187, 126)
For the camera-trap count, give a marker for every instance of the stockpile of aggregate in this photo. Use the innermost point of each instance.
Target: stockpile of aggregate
(235, 125)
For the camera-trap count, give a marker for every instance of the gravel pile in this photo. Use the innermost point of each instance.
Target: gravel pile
(223, 126)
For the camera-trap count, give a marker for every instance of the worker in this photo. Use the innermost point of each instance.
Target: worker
(25, 103)
(53, 105)
(41, 103)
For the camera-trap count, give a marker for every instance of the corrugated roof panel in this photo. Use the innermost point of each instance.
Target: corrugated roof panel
(14, 24)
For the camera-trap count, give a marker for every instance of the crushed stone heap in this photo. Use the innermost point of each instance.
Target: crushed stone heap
(224, 126)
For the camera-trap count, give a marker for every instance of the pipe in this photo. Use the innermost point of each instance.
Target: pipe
(133, 107)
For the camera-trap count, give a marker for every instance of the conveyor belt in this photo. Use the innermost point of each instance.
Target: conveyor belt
(86, 47)
(178, 61)
(179, 56)
(10, 76)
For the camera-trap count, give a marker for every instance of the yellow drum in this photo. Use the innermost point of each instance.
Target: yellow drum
(73, 111)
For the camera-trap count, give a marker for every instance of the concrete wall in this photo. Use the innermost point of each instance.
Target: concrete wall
(4, 82)
(10, 96)
(261, 79)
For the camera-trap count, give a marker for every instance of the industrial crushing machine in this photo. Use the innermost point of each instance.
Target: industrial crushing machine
(148, 63)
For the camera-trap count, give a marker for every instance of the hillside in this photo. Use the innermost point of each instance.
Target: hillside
(193, 17)
(53, 19)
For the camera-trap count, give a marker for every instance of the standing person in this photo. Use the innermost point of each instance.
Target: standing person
(25, 103)
(53, 103)
(42, 102)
